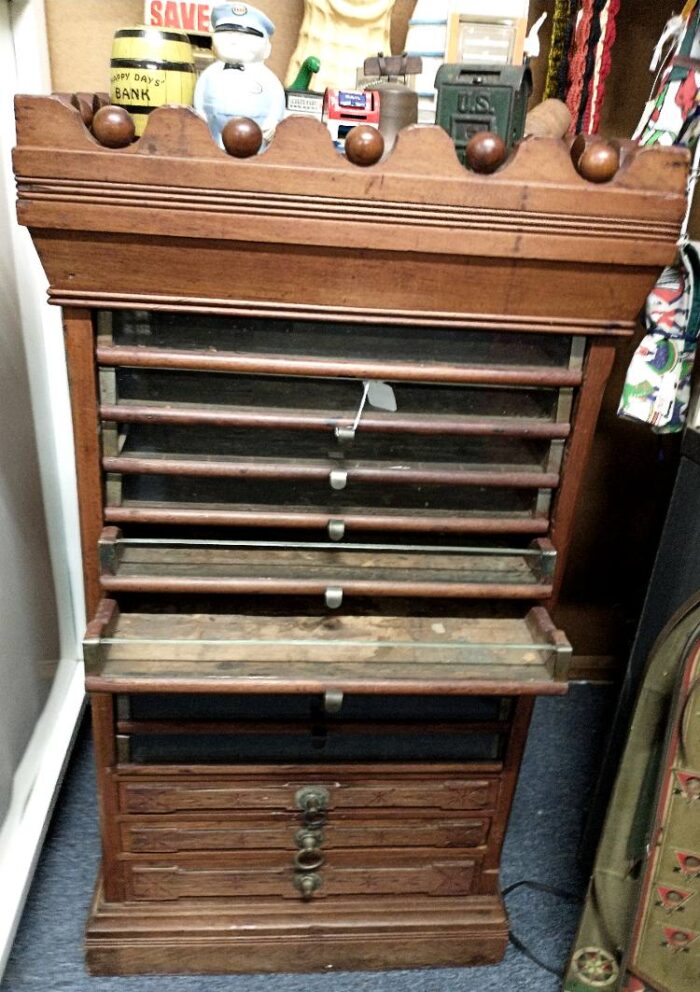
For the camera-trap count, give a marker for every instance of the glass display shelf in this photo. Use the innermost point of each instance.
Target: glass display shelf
(145, 652)
(324, 569)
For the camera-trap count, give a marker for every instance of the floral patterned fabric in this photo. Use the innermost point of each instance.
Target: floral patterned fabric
(674, 107)
(657, 386)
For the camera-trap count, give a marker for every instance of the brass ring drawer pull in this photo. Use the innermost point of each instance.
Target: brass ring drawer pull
(308, 860)
(308, 838)
(313, 801)
(307, 884)
(314, 821)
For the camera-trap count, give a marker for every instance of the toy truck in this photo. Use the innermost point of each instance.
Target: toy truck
(343, 110)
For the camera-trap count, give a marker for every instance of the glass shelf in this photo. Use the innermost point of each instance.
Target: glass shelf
(317, 569)
(247, 653)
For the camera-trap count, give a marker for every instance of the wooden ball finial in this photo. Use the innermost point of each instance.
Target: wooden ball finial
(485, 152)
(364, 145)
(113, 127)
(598, 162)
(99, 100)
(242, 137)
(578, 147)
(83, 103)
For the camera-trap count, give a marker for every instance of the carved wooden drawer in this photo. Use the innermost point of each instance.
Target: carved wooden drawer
(173, 835)
(344, 873)
(370, 792)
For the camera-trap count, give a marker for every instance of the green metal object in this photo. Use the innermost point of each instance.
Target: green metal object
(473, 98)
(614, 890)
(302, 82)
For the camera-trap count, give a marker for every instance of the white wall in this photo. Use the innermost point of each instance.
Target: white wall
(41, 692)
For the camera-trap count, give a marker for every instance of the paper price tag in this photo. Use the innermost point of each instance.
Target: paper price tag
(380, 395)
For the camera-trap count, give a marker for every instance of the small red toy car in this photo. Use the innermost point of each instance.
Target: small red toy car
(344, 109)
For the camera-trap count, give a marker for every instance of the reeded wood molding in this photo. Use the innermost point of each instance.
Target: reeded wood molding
(175, 181)
(338, 313)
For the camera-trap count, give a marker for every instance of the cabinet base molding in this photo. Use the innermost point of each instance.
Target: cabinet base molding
(221, 937)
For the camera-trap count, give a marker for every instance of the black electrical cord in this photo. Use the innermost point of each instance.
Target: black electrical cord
(517, 943)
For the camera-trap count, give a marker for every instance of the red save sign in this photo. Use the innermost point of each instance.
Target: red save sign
(190, 17)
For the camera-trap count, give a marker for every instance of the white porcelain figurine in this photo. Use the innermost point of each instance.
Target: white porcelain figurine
(240, 84)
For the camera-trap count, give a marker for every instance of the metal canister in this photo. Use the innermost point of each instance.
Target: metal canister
(398, 109)
(150, 67)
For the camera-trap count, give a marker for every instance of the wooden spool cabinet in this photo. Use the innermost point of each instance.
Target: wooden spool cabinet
(318, 633)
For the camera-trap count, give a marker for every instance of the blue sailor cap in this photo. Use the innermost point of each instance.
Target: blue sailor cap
(241, 17)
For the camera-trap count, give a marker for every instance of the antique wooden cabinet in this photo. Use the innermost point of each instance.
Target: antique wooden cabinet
(330, 427)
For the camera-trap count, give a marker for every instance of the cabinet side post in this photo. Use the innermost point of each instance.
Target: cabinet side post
(80, 355)
(103, 732)
(599, 363)
(515, 748)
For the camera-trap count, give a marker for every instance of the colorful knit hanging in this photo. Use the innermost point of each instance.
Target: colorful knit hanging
(568, 44)
(577, 62)
(583, 60)
(593, 89)
(557, 46)
(594, 35)
(583, 33)
(591, 120)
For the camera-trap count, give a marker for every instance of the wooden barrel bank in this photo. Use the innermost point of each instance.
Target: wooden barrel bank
(149, 68)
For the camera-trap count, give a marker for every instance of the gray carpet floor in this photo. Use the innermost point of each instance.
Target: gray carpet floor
(561, 761)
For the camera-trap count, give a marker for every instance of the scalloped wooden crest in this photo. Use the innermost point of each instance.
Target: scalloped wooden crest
(304, 142)
(178, 131)
(532, 159)
(421, 144)
(181, 132)
(51, 122)
(540, 159)
(642, 170)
